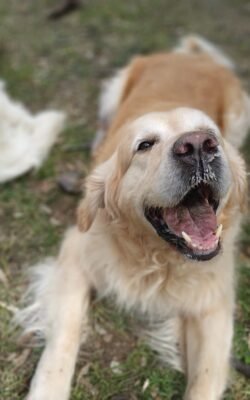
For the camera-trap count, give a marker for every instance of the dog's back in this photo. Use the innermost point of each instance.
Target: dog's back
(196, 75)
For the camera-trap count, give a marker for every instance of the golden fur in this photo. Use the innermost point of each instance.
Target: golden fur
(115, 250)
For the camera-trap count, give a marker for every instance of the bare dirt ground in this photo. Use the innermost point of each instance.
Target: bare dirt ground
(60, 64)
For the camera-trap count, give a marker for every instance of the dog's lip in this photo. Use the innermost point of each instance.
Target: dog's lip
(191, 226)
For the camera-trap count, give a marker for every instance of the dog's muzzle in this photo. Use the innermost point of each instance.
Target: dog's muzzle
(191, 224)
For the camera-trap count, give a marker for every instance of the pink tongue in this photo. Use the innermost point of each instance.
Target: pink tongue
(197, 220)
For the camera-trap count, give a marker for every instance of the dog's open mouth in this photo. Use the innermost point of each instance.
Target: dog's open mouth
(191, 226)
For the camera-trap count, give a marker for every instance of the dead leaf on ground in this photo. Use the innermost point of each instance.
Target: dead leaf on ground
(19, 359)
(3, 278)
(8, 307)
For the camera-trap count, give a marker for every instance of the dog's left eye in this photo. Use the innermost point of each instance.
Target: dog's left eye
(146, 145)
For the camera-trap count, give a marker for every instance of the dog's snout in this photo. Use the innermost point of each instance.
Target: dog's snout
(193, 146)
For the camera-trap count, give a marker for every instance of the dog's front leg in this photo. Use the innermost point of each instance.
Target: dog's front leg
(208, 341)
(66, 306)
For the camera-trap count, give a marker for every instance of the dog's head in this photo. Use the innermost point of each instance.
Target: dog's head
(172, 175)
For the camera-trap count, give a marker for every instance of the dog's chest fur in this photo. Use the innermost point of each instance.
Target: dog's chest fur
(151, 280)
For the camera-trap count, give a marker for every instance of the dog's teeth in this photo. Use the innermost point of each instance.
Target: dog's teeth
(219, 231)
(186, 237)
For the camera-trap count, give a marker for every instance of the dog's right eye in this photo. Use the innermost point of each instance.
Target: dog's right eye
(146, 145)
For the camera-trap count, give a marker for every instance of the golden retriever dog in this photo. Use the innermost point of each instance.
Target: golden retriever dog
(158, 223)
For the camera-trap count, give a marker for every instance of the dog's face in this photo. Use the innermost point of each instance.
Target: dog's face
(172, 174)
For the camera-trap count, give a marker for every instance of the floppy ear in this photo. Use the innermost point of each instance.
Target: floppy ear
(239, 175)
(94, 198)
(102, 189)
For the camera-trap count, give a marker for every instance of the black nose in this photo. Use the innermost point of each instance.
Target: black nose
(194, 146)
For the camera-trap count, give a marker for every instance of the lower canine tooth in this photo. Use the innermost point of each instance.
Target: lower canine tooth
(186, 237)
(219, 231)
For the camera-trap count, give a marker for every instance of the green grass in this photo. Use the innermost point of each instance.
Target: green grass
(60, 65)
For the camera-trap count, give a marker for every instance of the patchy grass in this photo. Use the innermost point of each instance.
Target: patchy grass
(60, 65)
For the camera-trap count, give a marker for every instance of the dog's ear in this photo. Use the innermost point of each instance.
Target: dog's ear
(102, 189)
(94, 198)
(240, 178)
(238, 169)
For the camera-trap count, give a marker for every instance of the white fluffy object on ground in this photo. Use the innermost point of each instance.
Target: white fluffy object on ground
(25, 139)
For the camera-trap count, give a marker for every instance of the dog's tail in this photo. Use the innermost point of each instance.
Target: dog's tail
(195, 44)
